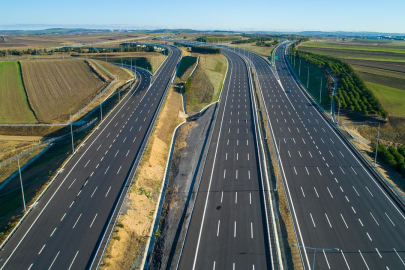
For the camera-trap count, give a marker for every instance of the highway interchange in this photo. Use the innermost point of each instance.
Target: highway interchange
(67, 226)
(336, 204)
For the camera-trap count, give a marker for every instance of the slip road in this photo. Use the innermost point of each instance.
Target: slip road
(66, 227)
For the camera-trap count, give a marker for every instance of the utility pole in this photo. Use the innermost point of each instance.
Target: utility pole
(21, 183)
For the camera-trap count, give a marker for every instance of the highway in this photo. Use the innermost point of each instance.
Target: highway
(66, 229)
(335, 202)
(228, 228)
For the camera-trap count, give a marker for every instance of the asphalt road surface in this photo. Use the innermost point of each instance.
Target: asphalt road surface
(66, 227)
(228, 229)
(334, 200)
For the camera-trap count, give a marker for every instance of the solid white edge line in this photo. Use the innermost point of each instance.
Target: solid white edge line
(212, 172)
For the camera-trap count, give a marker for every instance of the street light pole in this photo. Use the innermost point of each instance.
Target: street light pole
(299, 70)
(308, 79)
(339, 108)
(320, 91)
(21, 183)
(101, 109)
(71, 133)
(315, 249)
(279, 159)
(376, 148)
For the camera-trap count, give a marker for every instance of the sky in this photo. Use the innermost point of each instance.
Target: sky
(269, 15)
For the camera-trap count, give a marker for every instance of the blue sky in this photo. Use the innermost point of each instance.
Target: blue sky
(286, 15)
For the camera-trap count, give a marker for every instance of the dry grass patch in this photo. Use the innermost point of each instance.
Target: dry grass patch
(10, 168)
(206, 82)
(56, 87)
(262, 50)
(155, 59)
(133, 227)
(14, 107)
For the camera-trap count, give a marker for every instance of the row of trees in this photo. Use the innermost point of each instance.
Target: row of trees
(4, 53)
(214, 39)
(205, 49)
(256, 39)
(268, 44)
(393, 157)
(353, 92)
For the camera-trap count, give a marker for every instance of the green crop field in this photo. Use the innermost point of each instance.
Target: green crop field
(392, 99)
(14, 107)
(353, 47)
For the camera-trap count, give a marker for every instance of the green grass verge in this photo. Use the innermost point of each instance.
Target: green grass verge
(392, 99)
(206, 83)
(186, 63)
(14, 106)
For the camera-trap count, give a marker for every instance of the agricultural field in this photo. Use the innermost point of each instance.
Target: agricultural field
(14, 106)
(48, 41)
(383, 63)
(147, 60)
(205, 85)
(391, 98)
(380, 63)
(57, 87)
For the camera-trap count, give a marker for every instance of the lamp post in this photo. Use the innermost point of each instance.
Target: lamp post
(21, 183)
(320, 91)
(378, 139)
(101, 109)
(299, 70)
(339, 108)
(308, 79)
(71, 132)
(316, 249)
(279, 158)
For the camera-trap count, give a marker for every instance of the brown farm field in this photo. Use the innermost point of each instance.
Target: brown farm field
(48, 41)
(14, 106)
(154, 59)
(57, 87)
